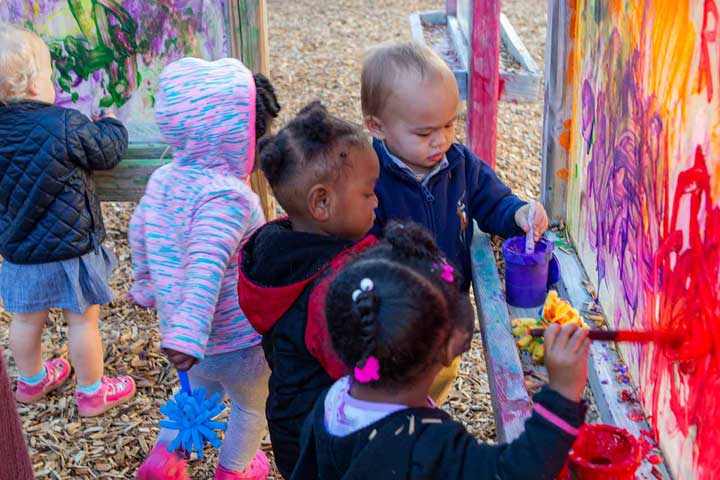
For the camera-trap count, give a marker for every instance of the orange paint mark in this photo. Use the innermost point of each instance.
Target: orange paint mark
(564, 140)
(672, 38)
(570, 66)
(615, 7)
(563, 174)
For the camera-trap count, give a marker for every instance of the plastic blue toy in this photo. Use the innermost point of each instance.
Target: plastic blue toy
(191, 414)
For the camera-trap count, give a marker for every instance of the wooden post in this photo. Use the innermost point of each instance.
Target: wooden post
(558, 110)
(484, 82)
(249, 19)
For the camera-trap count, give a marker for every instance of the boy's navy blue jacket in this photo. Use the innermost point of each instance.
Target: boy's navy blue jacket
(466, 189)
(426, 444)
(48, 208)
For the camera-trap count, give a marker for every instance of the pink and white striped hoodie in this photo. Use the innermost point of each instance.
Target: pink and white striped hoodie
(187, 229)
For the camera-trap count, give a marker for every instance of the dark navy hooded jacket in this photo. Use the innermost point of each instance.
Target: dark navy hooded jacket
(466, 189)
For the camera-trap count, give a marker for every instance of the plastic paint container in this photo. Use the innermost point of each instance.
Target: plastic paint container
(602, 452)
(529, 275)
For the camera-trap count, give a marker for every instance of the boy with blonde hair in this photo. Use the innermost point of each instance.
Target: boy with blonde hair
(410, 102)
(51, 226)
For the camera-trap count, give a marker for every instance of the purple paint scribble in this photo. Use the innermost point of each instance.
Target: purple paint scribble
(623, 131)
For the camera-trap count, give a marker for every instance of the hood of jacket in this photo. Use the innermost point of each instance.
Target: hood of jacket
(206, 113)
(278, 263)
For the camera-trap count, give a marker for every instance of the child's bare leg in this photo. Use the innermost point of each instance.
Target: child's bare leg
(26, 341)
(85, 345)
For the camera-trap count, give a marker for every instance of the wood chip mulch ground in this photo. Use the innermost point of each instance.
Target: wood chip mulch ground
(315, 52)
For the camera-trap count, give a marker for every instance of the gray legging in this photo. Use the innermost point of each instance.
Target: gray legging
(243, 376)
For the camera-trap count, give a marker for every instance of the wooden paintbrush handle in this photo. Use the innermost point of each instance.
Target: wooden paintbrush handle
(610, 335)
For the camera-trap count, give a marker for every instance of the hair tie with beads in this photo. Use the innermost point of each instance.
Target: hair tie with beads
(366, 285)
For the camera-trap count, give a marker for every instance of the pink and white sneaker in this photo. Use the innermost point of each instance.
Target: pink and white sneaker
(258, 469)
(162, 465)
(58, 371)
(113, 391)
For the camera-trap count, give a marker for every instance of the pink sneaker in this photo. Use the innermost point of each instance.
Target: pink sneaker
(58, 371)
(257, 470)
(113, 391)
(162, 465)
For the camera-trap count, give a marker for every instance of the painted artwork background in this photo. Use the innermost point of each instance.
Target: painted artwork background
(643, 204)
(109, 53)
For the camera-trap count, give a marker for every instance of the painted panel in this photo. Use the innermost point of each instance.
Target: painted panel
(109, 53)
(643, 204)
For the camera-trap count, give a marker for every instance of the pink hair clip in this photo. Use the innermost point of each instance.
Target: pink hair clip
(369, 372)
(447, 273)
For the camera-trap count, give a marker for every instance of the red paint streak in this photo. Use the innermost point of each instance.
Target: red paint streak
(655, 459)
(709, 35)
(686, 273)
(636, 415)
(501, 87)
(656, 235)
(649, 435)
(627, 396)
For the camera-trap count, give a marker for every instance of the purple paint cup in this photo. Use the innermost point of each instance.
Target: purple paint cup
(528, 275)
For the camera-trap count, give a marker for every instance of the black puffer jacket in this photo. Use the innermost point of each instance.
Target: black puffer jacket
(48, 208)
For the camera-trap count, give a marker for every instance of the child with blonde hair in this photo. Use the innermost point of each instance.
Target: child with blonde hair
(51, 226)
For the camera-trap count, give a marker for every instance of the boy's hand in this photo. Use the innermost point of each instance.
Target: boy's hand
(566, 355)
(540, 222)
(104, 114)
(181, 361)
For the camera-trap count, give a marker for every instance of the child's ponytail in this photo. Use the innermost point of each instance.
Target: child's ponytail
(364, 311)
(266, 104)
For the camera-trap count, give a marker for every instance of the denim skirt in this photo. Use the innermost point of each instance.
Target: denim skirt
(74, 284)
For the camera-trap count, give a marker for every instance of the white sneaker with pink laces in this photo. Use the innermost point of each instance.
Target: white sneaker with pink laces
(112, 392)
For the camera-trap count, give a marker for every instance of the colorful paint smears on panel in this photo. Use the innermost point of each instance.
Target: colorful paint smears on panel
(109, 53)
(644, 201)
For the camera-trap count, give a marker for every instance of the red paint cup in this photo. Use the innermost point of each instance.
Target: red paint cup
(602, 452)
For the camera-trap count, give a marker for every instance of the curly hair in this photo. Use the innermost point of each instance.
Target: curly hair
(405, 317)
(313, 146)
(266, 103)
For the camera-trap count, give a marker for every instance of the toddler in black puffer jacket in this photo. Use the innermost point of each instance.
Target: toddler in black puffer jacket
(51, 226)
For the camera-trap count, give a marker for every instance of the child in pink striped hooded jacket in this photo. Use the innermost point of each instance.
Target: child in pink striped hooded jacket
(185, 234)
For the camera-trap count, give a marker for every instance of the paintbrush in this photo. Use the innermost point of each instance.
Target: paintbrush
(634, 336)
(530, 235)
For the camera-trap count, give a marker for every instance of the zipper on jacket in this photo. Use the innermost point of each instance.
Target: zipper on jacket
(429, 200)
